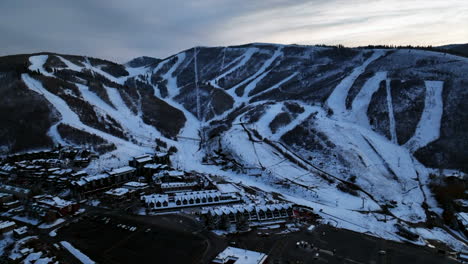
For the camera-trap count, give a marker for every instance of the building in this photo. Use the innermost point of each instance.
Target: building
(11, 204)
(162, 158)
(122, 174)
(19, 192)
(6, 197)
(461, 205)
(104, 181)
(6, 170)
(79, 174)
(119, 194)
(156, 201)
(169, 176)
(139, 162)
(6, 226)
(20, 232)
(137, 186)
(55, 207)
(232, 255)
(250, 213)
(463, 222)
(172, 187)
(186, 199)
(151, 168)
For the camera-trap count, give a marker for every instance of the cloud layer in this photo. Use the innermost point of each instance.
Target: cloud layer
(120, 29)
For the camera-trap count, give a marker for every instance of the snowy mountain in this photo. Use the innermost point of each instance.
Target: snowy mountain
(352, 132)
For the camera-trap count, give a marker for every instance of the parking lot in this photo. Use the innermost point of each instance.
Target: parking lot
(113, 238)
(162, 239)
(335, 246)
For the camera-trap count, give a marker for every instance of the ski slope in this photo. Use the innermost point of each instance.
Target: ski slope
(428, 128)
(337, 99)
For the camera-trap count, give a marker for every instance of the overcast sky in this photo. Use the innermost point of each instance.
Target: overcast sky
(122, 29)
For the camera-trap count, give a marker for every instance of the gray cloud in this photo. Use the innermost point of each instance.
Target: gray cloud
(122, 29)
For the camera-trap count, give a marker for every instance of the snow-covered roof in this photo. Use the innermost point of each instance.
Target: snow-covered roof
(152, 166)
(235, 208)
(144, 159)
(463, 218)
(126, 169)
(79, 173)
(14, 188)
(160, 154)
(240, 256)
(135, 184)
(7, 168)
(197, 194)
(87, 179)
(227, 188)
(118, 192)
(462, 202)
(177, 184)
(5, 195)
(54, 201)
(154, 198)
(6, 224)
(22, 230)
(142, 156)
(176, 173)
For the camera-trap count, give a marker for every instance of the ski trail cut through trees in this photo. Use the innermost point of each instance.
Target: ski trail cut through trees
(428, 128)
(337, 100)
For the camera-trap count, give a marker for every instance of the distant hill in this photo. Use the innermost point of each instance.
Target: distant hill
(457, 48)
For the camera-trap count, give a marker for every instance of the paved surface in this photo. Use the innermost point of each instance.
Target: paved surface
(181, 239)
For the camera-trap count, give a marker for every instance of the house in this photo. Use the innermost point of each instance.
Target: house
(6, 226)
(20, 232)
(232, 255)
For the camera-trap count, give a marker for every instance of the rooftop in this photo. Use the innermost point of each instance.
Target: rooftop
(54, 201)
(125, 169)
(118, 191)
(6, 224)
(240, 256)
(227, 188)
(135, 184)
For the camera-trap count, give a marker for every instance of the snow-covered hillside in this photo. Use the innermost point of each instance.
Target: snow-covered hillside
(353, 133)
